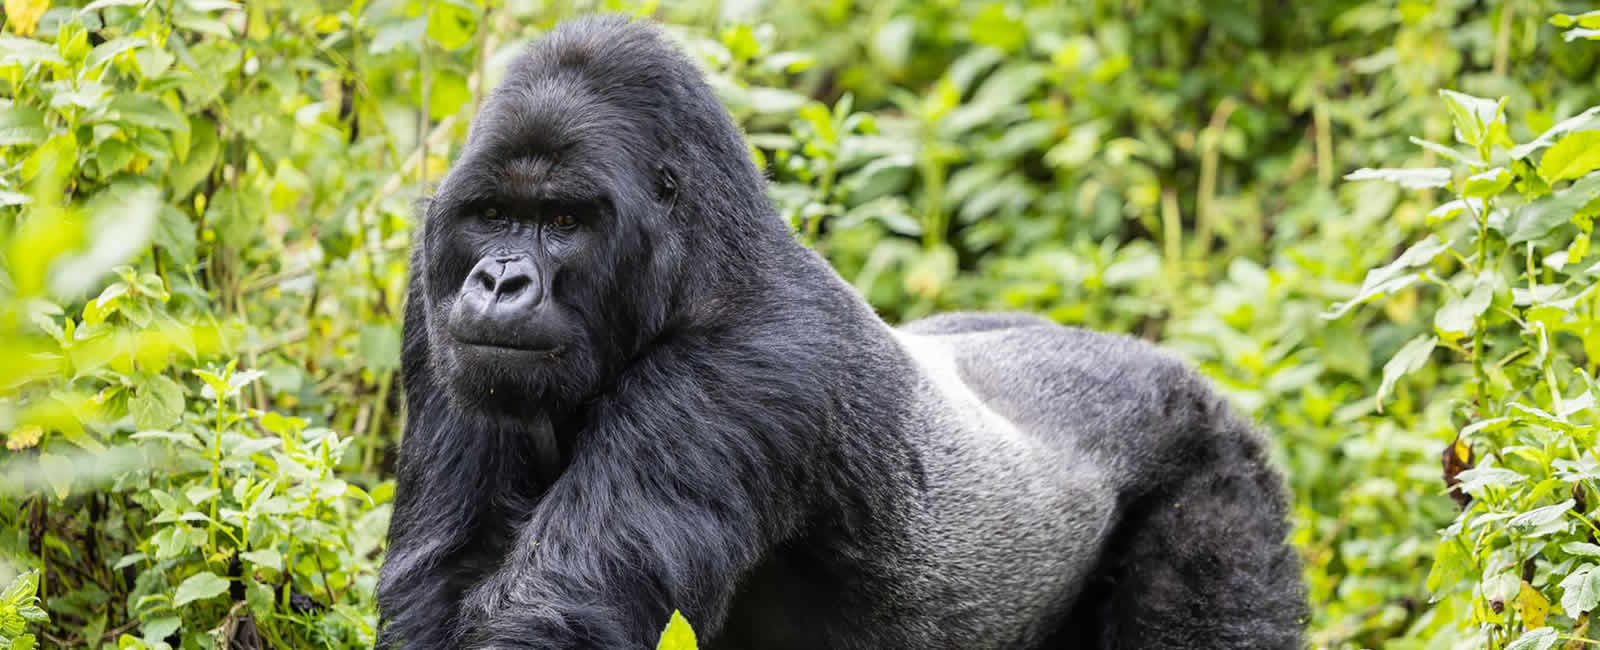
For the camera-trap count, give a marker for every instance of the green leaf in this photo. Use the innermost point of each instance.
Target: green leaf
(1580, 590)
(1443, 150)
(1413, 179)
(175, 234)
(160, 627)
(1450, 564)
(15, 50)
(157, 403)
(197, 163)
(199, 586)
(997, 27)
(406, 33)
(269, 558)
(1542, 638)
(677, 635)
(1589, 19)
(1539, 518)
(21, 125)
(106, 51)
(1571, 157)
(1486, 184)
(1456, 318)
(1394, 275)
(1537, 219)
(1477, 119)
(451, 25)
(447, 94)
(147, 111)
(58, 473)
(1588, 120)
(1410, 358)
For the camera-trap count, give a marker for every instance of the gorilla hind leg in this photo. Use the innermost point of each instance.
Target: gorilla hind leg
(1202, 562)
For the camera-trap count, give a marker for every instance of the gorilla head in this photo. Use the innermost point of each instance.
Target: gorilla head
(554, 249)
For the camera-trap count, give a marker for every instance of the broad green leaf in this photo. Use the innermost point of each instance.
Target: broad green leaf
(1571, 157)
(1588, 120)
(1456, 318)
(106, 51)
(1542, 638)
(1410, 357)
(1580, 590)
(21, 125)
(157, 403)
(175, 234)
(1450, 565)
(1414, 179)
(1476, 118)
(269, 558)
(199, 586)
(1449, 209)
(1585, 34)
(1539, 218)
(447, 94)
(184, 176)
(15, 50)
(677, 635)
(1487, 184)
(144, 110)
(998, 26)
(451, 25)
(160, 627)
(408, 33)
(58, 473)
(1539, 518)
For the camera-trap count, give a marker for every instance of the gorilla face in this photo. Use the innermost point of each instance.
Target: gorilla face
(548, 254)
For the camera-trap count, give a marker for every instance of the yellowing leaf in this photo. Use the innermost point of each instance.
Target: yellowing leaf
(677, 635)
(1533, 605)
(23, 15)
(24, 437)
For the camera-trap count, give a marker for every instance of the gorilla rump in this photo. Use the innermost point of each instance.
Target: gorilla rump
(631, 391)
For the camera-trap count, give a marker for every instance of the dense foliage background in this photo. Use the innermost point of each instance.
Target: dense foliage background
(205, 208)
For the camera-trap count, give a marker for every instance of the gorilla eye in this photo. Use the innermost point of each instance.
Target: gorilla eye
(565, 221)
(491, 213)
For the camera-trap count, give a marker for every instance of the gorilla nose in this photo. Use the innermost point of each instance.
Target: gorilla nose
(505, 283)
(501, 304)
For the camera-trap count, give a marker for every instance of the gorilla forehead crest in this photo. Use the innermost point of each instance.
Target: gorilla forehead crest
(596, 83)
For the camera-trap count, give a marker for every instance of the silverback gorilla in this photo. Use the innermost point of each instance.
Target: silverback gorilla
(632, 391)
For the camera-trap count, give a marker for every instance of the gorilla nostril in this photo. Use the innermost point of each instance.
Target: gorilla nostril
(511, 286)
(484, 280)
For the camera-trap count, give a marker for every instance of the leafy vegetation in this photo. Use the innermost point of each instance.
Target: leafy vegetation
(1368, 220)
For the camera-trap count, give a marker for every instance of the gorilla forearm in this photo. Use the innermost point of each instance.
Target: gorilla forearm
(643, 520)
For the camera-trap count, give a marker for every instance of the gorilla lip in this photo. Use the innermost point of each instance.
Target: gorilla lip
(549, 353)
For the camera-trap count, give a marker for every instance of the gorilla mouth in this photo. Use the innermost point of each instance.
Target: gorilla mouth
(550, 352)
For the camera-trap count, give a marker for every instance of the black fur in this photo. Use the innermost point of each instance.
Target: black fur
(694, 412)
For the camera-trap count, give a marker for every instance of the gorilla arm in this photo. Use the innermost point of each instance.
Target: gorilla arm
(670, 498)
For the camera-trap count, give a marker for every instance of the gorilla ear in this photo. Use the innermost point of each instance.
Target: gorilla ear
(666, 186)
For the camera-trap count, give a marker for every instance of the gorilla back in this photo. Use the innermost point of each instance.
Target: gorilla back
(631, 391)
